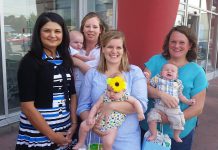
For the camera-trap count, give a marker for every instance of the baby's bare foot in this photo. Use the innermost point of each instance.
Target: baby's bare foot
(152, 137)
(77, 146)
(177, 139)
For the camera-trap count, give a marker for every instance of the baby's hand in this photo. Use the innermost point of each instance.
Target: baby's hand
(91, 57)
(147, 75)
(90, 121)
(191, 101)
(141, 117)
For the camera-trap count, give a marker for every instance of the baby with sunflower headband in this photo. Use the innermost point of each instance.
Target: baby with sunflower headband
(115, 92)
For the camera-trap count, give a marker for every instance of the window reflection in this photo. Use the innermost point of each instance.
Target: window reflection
(1, 82)
(68, 9)
(195, 3)
(104, 8)
(206, 4)
(19, 19)
(214, 6)
(181, 7)
(180, 18)
(212, 62)
(193, 19)
(183, 1)
(203, 37)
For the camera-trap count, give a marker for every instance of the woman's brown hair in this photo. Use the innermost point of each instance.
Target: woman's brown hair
(192, 38)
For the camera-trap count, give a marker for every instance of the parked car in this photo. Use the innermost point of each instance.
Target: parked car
(18, 40)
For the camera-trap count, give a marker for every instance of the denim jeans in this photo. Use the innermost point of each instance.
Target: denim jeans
(186, 144)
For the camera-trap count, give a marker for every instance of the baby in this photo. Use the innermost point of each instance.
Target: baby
(115, 92)
(167, 81)
(76, 44)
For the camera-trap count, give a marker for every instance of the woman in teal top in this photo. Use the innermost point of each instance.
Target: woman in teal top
(180, 49)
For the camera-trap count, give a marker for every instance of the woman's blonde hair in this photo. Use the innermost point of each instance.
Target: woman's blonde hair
(105, 39)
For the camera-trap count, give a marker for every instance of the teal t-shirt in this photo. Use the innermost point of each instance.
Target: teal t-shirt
(194, 81)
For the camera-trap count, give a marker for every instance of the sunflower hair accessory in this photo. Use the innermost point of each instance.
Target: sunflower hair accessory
(116, 83)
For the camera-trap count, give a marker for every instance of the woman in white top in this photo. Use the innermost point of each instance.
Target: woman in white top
(92, 28)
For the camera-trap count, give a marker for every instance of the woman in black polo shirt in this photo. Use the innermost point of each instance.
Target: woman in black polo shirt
(46, 88)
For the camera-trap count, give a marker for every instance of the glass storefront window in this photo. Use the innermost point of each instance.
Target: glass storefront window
(68, 9)
(203, 39)
(195, 3)
(104, 8)
(193, 11)
(193, 19)
(213, 45)
(182, 7)
(180, 18)
(215, 6)
(183, 1)
(206, 4)
(2, 110)
(19, 19)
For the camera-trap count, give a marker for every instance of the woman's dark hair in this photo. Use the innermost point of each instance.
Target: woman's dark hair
(37, 46)
(192, 38)
(103, 26)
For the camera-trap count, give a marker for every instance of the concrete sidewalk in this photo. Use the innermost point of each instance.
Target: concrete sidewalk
(8, 136)
(206, 137)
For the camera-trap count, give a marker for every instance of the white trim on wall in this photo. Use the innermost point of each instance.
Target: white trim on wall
(9, 119)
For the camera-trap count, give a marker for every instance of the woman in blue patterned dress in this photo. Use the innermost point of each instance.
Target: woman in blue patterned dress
(46, 88)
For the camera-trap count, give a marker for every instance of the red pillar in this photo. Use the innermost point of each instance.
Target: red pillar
(145, 24)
